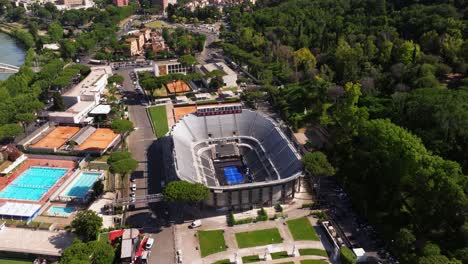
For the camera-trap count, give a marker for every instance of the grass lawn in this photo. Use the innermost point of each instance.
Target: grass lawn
(211, 241)
(278, 255)
(249, 259)
(313, 261)
(157, 24)
(162, 92)
(223, 261)
(313, 252)
(159, 118)
(301, 229)
(14, 261)
(258, 238)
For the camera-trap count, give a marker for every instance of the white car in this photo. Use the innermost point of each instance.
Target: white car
(195, 224)
(133, 188)
(149, 243)
(132, 194)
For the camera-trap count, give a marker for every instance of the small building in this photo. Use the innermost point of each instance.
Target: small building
(226, 94)
(229, 77)
(83, 97)
(120, 3)
(181, 99)
(202, 96)
(141, 40)
(146, 33)
(51, 46)
(170, 66)
(134, 49)
(360, 255)
(19, 211)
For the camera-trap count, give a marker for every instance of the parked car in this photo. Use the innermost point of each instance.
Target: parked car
(133, 188)
(149, 243)
(195, 224)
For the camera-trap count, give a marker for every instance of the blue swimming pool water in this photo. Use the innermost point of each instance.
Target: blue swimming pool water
(60, 210)
(82, 185)
(33, 183)
(233, 176)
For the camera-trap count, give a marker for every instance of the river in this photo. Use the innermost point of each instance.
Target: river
(10, 52)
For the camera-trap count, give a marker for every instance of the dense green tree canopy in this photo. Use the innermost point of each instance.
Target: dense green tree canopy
(96, 252)
(86, 225)
(182, 191)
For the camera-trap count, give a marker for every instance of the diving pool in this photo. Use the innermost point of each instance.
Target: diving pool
(32, 184)
(82, 184)
(62, 211)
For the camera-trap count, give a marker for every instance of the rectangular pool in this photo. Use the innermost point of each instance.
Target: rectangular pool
(60, 211)
(82, 184)
(32, 184)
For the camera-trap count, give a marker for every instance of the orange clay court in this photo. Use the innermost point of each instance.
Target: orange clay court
(178, 87)
(100, 139)
(57, 137)
(179, 112)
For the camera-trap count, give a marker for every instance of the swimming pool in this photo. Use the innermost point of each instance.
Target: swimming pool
(33, 183)
(61, 211)
(82, 184)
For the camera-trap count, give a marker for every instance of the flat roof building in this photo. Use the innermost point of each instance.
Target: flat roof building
(229, 77)
(83, 97)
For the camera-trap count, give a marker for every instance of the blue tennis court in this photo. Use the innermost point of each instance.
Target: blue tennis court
(233, 176)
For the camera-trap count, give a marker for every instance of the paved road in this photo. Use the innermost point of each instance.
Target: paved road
(141, 144)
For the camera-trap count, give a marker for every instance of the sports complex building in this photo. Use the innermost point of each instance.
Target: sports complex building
(241, 155)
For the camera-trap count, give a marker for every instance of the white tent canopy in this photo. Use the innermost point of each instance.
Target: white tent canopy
(18, 209)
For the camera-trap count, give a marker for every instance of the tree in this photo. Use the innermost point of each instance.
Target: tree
(116, 78)
(118, 155)
(347, 256)
(24, 119)
(102, 252)
(216, 83)
(98, 188)
(86, 225)
(124, 166)
(187, 60)
(55, 31)
(431, 249)
(123, 127)
(182, 191)
(9, 131)
(96, 252)
(76, 253)
(317, 164)
(58, 102)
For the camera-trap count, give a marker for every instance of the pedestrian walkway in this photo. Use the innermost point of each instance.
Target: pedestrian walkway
(187, 241)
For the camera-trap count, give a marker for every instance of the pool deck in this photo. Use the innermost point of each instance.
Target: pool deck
(67, 164)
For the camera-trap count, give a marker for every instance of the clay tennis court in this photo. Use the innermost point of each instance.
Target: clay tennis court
(178, 87)
(179, 112)
(57, 137)
(99, 140)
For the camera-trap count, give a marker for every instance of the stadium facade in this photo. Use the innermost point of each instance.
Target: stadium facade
(241, 155)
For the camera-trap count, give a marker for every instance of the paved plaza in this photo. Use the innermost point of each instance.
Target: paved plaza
(187, 240)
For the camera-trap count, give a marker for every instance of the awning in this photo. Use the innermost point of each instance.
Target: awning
(18, 209)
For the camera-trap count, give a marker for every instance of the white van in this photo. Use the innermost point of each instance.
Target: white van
(195, 224)
(149, 243)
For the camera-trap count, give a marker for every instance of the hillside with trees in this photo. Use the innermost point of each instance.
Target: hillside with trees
(384, 84)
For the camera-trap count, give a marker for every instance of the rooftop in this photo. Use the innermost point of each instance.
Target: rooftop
(217, 66)
(101, 110)
(89, 84)
(19, 209)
